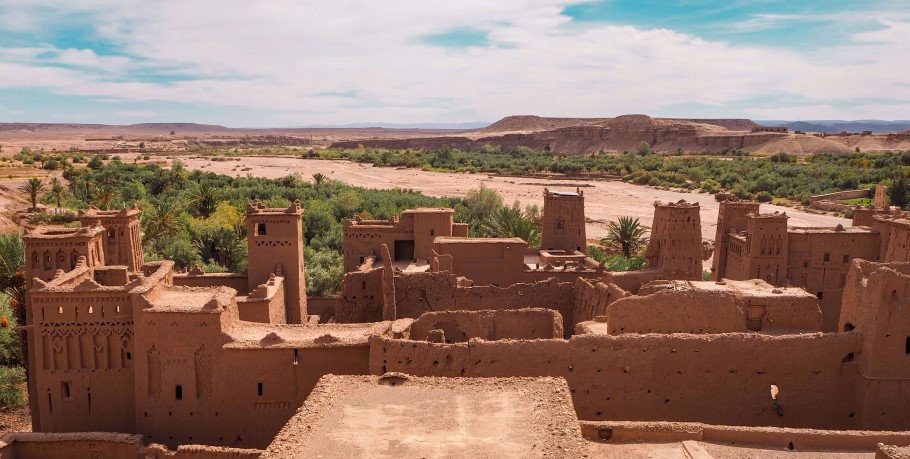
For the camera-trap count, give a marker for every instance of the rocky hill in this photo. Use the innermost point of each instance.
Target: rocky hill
(625, 133)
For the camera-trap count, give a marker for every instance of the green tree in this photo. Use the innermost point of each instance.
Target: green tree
(644, 148)
(32, 187)
(626, 235)
(95, 163)
(318, 179)
(161, 221)
(482, 202)
(511, 222)
(57, 190)
(897, 193)
(202, 199)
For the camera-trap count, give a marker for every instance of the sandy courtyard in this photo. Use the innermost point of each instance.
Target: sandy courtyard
(605, 201)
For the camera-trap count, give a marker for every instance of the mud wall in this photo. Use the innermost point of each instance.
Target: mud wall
(721, 379)
(592, 299)
(235, 281)
(460, 326)
(94, 445)
(419, 293)
(709, 311)
(361, 297)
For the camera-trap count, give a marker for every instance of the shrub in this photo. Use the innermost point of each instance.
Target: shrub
(11, 394)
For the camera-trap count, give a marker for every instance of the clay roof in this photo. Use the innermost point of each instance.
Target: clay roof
(62, 232)
(430, 210)
(478, 240)
(397, 415)
(250, 335)
(172, 298)
(94, 212)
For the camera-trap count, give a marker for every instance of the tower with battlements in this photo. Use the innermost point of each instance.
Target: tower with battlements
(563, 226)
(275, 244)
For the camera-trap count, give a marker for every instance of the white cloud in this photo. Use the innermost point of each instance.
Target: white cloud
(278, 56)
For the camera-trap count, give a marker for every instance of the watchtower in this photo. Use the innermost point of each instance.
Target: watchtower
(767, 247)
(675, 245)
(275, 243)
(122, 239)
(563, 221)
(731, 218)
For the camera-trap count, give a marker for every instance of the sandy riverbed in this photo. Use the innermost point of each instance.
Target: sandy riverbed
(605, 201)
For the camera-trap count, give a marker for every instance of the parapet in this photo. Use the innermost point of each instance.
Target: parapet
(257, 208)
(681, 204)
(58, 232)
(95, 213)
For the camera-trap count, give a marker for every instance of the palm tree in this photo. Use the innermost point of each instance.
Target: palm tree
(203, 199)
(12, 281)
(627, 235)
(162, 220)
(57, 190)
(105, 196)
(32, 187)
(318, 179)
(511, 222)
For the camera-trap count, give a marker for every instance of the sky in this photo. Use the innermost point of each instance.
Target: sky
(279, 63)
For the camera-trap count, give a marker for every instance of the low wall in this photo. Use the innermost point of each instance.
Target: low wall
(459, 326)
(703, 310)
(769, 437)
(718, 379)
(94, 445)
(322, 307)
(842, 195)
(419, 293)
(592, 299)
(235, 281)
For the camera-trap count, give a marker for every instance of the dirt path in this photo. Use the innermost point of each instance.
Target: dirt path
(605, 201)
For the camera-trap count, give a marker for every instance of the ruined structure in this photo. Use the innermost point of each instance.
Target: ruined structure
(232, 366)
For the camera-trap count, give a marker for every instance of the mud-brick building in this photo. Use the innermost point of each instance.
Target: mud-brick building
(755, 245)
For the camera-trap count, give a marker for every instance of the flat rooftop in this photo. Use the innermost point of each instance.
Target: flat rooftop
(394, 416)
(251, 335)
(172, 298)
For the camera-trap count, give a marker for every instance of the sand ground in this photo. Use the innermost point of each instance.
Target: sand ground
(605, 200)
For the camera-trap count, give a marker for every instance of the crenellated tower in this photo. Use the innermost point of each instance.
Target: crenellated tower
(275, 242)
(563, 221)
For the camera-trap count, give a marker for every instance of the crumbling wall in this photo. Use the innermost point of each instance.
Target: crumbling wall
(361, 297)
(632, 281)
(419, 293)
(592, 299)
(94, 445)
(721, 379)
(460, 326)
(677, 308)
(877, 305)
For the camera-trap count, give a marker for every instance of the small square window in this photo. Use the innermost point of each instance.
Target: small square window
(65, 389)
(827, 256)
(178, 392)
(820, 295)
(260, 229)
(846, 258)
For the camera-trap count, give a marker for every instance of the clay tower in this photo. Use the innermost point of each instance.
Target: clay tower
(275, 242)
(563, 221)
(122, 239)
(767, 247)
(731, 218)
(675, 245)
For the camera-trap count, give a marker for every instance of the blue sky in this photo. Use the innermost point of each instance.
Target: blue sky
(293, 63)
